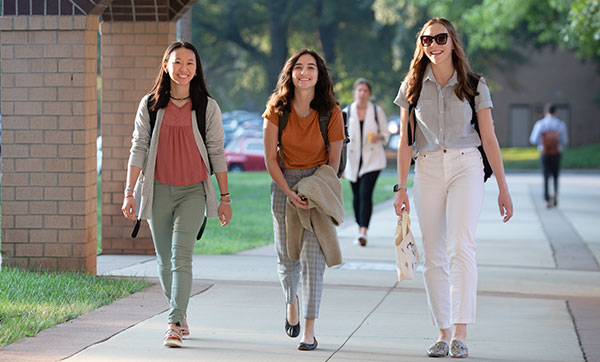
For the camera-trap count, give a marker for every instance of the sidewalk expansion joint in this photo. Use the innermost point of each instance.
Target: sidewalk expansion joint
(569, 250)
(585, 359)
(363, 322)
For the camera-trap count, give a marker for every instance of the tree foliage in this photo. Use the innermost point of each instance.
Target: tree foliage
(244, 43)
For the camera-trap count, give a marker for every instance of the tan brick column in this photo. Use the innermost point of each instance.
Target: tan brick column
(131, 56)
(48, 142)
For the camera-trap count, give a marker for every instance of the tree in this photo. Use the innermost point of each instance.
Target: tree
(497, 30)
(244, 45)
(243, 36)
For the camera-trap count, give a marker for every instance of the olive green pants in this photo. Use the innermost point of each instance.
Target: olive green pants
(177, 213)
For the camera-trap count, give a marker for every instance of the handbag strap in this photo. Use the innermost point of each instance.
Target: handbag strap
(404, 223)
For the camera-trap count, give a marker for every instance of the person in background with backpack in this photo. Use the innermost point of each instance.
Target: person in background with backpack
(304, 94)
(549, 134)
(367, 126)
(168, 175)
(449, 175)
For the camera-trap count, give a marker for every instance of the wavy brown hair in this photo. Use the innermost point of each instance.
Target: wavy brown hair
(281, 99)
(161, 90)
(419, 63)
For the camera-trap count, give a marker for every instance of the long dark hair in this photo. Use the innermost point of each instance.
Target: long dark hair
(419, 63)
(162, 84)
(281, 99)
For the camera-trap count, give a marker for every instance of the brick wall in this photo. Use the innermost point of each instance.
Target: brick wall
(48, 105)
(131, 56)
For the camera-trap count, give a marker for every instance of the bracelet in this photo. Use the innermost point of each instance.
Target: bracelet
(128, 196)
(224, 195)
(128, 189)
(225, 202)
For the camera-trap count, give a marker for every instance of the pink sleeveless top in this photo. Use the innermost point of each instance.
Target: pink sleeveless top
(178, 160)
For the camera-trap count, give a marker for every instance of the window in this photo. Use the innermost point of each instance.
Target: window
(519, 117)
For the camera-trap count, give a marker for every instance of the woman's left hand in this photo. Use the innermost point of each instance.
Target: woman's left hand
(375, 137)
(505, 205)
(225, 214)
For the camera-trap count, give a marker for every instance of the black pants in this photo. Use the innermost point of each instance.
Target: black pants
(362, 191)
(550, 166)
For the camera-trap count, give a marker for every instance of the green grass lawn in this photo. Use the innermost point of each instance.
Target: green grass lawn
(252, 222)
(33, 301)
(584, 157)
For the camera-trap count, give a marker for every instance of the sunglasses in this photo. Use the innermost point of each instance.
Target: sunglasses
(440, 39)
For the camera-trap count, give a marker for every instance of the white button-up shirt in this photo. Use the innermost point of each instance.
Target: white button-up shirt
(443, 120)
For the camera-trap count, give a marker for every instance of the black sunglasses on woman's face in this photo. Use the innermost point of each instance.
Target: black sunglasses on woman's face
(427, 40)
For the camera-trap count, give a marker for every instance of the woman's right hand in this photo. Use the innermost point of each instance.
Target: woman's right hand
(129, 208)
(298, 201)
(401, 202)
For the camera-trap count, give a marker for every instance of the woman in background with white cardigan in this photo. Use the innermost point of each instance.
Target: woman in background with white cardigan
(367, 128)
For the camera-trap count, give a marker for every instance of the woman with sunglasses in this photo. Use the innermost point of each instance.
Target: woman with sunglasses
(449, 176)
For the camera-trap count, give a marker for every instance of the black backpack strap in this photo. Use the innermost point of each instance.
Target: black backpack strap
(376, 119)
(151, 113)
(324, 127)
(473, 80)
(201, 116)
(411, 129)
(283, 120)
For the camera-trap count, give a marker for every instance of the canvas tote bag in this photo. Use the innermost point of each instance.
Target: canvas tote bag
(407, 255)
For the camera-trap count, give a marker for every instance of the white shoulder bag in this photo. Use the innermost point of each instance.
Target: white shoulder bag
(407, 255)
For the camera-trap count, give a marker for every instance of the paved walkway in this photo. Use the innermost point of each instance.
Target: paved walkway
(539, 296)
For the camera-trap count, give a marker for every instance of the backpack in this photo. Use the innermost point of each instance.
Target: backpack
(347, 114)
(550, 141)
(473, 82)
(323, 126)
(201, 122)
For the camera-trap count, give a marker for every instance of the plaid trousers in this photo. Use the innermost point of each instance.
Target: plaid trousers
(311, 265)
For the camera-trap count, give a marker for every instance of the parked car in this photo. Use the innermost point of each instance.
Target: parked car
(245, 154)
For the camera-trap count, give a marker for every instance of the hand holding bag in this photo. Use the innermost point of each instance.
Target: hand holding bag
(407, 255)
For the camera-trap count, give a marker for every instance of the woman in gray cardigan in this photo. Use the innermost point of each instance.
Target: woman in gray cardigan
(168, 175)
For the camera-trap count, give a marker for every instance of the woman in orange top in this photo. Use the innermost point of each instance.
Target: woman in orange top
(304, 91)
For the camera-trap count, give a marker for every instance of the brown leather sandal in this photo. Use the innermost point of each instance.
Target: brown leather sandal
(173, 337)
(184, 329)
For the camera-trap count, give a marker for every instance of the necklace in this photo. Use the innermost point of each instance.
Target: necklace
(179, 99)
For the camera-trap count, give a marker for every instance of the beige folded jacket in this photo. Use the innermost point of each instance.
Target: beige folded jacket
(323, 191)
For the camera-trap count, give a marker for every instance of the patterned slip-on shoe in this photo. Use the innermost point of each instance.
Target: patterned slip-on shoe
(458, 349)
(438, 349)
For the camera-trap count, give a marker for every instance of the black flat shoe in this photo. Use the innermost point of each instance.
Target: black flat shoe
(290, 330)
(308, 347)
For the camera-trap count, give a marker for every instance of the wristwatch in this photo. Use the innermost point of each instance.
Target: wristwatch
(398, 187)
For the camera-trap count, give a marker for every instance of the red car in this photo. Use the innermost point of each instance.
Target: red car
(245, 154)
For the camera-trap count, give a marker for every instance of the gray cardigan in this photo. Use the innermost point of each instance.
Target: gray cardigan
(143, 154)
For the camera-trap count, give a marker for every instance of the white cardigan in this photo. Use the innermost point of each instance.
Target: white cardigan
(373, 155)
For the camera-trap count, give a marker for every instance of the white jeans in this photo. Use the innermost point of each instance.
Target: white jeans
(448, 195)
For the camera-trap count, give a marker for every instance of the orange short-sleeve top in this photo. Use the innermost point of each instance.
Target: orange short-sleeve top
(302, 143)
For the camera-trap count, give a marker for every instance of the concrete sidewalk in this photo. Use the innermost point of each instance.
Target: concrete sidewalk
(539, 296)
